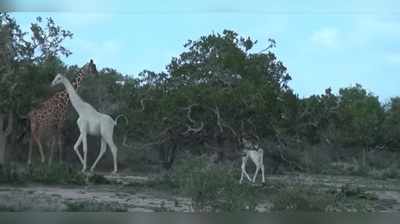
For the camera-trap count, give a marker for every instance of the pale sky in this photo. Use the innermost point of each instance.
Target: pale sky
(335, 44)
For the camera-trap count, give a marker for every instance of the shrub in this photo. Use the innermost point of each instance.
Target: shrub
(299, 198)
(315, 159)
(387, 173)
(352, 191)
(213, 187)
(9, 174)
(56, 174)
(94, 206)
(98, 179)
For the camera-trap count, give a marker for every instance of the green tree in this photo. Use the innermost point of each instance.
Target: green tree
(391, 124)
(213, 93)
(360, 118)
(21, 61)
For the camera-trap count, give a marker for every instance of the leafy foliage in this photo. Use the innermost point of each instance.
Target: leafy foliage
(302, 199)
(214, 187)
(216, 91)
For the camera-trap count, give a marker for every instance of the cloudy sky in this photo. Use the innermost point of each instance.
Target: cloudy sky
(335, 44)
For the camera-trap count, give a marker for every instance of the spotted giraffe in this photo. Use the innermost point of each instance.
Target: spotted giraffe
(48, 119)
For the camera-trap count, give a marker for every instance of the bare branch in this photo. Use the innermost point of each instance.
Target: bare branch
(194, 130)
(271, 45)
(231, 129)
(219, 121)
(189, 112)
(142, 146)
(189, 117)
(282, 145)
(142, 104)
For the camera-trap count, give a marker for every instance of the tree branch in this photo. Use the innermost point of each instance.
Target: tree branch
(221, 123)
(218, 114)
(189, 112)
(194, 130)
(282, 145)
(142, 146)
(189, 117)
(230, 128)
(142, 105)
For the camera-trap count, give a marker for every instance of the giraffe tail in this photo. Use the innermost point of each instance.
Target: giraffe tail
(118, 117)
(124, 141)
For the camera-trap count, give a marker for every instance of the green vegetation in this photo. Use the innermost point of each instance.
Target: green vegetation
(214, 187)
(93, 206)
(212, 94)
(9, 174)
(302, 199)
(312, 199)
(55, 174)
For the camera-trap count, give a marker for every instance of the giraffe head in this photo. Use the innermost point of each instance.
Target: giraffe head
(58, 79)
(89, 68)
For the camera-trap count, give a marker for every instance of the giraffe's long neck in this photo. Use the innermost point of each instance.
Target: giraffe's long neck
(76, 100)
(78, 79)
(75, 84)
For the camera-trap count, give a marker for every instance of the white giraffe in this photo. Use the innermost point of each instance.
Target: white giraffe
(256, 154)
(90, 122)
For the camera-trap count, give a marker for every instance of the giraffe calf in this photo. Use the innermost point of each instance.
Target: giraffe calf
(255, 153)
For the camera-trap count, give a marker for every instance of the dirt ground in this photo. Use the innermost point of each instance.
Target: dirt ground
(123, 195)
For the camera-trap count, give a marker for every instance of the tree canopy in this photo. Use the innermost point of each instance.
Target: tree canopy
(216, 91)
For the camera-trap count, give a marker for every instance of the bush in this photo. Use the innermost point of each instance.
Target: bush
(315, 159)
(41, 173)
(352, 191)
(387, 173)
(9, 174)
(98, 179)
(381, 159)
(213, 187)
(94, 206)
(299, 198)
(56, 174)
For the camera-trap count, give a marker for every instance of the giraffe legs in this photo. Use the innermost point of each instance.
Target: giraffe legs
(114, 151)
(84, 152)
(30, 151)
(103, 148)
(244, 173)
(255, 174)
(60, 147)
(82, 139)
(78, 142)
(256, 157)
(56, 147)
(60, 136)
(51, 147)
(108, 137)
(36, 139)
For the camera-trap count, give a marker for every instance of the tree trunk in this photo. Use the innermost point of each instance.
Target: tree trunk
(364, 157)
(3, 143)
(4, 133)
